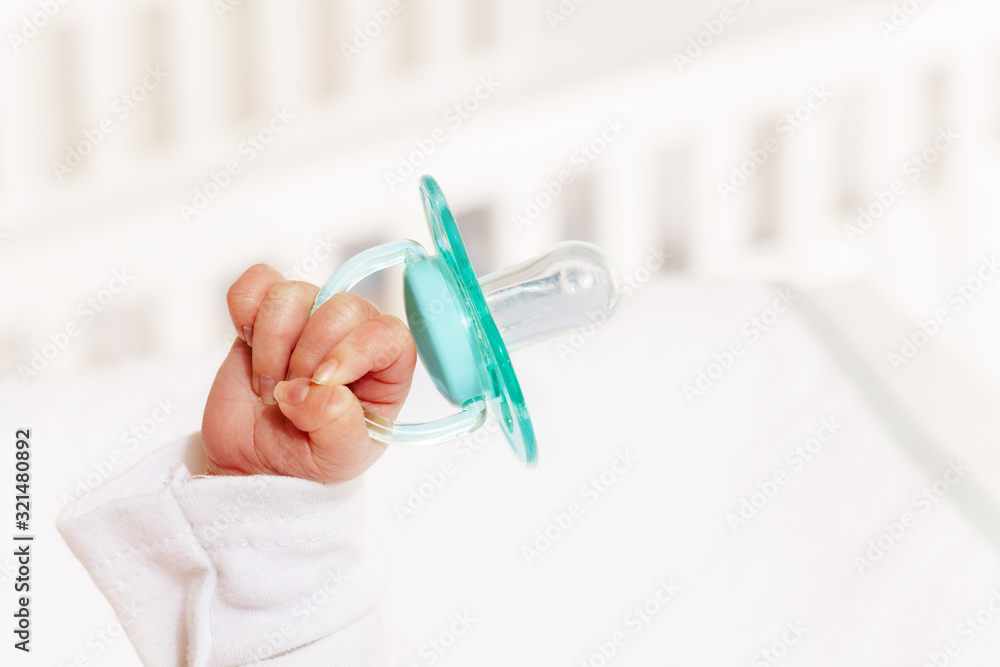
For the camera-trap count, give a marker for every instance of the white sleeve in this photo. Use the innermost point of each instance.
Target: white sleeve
(210, 571)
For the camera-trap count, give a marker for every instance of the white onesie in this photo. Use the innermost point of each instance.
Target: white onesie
(212, 570)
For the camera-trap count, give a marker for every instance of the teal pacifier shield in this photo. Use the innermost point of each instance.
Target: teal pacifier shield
(501, 388)
(443, 332)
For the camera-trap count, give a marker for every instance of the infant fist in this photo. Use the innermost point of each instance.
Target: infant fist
(290, 397)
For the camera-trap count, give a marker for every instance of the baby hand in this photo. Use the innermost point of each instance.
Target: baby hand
(289, 398)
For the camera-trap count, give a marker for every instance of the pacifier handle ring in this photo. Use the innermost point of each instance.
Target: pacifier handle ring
(362, 265)
(381, 429)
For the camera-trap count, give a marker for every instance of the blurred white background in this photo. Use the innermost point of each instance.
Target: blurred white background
(227, 65)
(151, 151)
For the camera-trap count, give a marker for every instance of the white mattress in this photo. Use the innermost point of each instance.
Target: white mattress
(662, 519)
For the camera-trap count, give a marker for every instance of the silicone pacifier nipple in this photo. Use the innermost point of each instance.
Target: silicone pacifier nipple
(570, 286)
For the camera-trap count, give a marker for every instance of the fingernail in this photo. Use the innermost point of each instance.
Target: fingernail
(248, 335)
(291, 393)
(324, 374)
(267, 389)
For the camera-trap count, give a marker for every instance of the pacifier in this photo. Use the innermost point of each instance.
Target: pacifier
(464, 327)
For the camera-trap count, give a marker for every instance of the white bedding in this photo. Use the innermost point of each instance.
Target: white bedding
(655, 531)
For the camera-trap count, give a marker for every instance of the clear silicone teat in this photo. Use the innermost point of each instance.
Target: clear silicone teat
(464, 327)
(570, 286)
